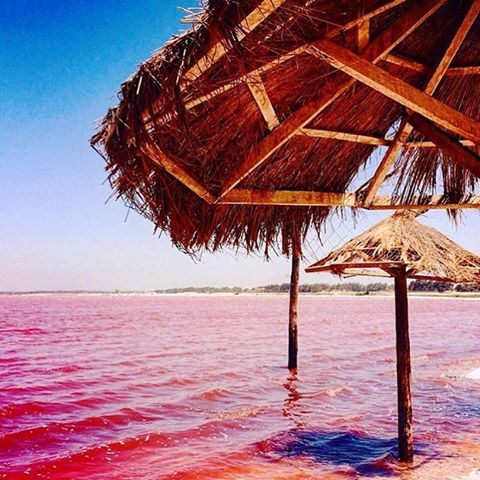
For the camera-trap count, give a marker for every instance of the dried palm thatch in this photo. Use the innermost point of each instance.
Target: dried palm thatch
(401, 240)
(250, 127)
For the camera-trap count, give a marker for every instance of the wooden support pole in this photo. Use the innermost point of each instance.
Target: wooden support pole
(405, 420)
(293, 311)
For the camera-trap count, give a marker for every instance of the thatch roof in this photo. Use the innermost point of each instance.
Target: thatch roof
(247, 128)
(402, 240)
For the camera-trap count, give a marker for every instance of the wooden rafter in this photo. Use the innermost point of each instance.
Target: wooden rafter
(422, 68)
(340, 267)
(288, 197)
(252, 21)
(367, 139)
(301, 198)
(379, 47)
(428, 144)
(462, 71)
(465, 157)
(435, 202)
(405, 127)
(407, 63)
(171, 165)
(260, 95)
(344, 136)
(363, 34)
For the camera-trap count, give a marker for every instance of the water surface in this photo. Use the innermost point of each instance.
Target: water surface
(178, 387)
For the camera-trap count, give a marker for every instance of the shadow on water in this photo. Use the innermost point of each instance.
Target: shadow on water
(368, 456)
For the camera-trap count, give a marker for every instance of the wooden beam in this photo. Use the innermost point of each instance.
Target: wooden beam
(301, 198)
(421, 68)
(351, 265)
(405, 128)
(462, 155)
(252, 21)
(274, 63)
(427, 144)
(363, 34)
(407, 63)
(435, 202)
(379, 47)
(260, 95)
(288, 197)
(368, 140)
(462, 71)
(344, 136)
(399, 91)
(172, 166)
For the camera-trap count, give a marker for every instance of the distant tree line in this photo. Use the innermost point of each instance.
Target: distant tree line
(431, 286)
(285, 288)
(204, 290)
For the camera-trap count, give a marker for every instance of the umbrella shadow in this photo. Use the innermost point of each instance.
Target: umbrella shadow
(368, 456)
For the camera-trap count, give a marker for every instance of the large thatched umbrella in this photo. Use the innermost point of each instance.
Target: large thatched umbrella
(402, 247)
(246, 129)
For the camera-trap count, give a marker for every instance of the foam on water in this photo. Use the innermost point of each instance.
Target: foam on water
(474, 475)
(474, 374)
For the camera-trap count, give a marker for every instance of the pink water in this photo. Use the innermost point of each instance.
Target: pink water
(141, 387)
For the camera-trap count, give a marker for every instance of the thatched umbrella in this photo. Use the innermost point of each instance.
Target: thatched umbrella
(402, 247)
(248, 128)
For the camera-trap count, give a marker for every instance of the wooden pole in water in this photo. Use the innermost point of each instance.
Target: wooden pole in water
(405, 420)
(293, 311)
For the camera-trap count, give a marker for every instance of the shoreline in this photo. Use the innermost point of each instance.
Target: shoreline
(340, 294)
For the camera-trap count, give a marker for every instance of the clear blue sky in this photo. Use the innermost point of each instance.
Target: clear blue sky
(62, 63)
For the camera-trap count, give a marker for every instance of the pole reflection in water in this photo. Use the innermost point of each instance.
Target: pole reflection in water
(292, 406)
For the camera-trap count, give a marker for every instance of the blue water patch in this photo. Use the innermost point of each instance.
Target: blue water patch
(368, 456)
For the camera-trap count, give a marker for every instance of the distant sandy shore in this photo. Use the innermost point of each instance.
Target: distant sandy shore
(437, 295)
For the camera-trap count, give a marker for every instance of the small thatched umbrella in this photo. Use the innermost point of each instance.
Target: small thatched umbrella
(402, 247)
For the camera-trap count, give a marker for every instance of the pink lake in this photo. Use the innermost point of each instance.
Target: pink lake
(193, 387)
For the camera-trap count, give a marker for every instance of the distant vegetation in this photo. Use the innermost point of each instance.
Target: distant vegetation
(285, 288)
(204, 290)
(347, 287)
(424, 286)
